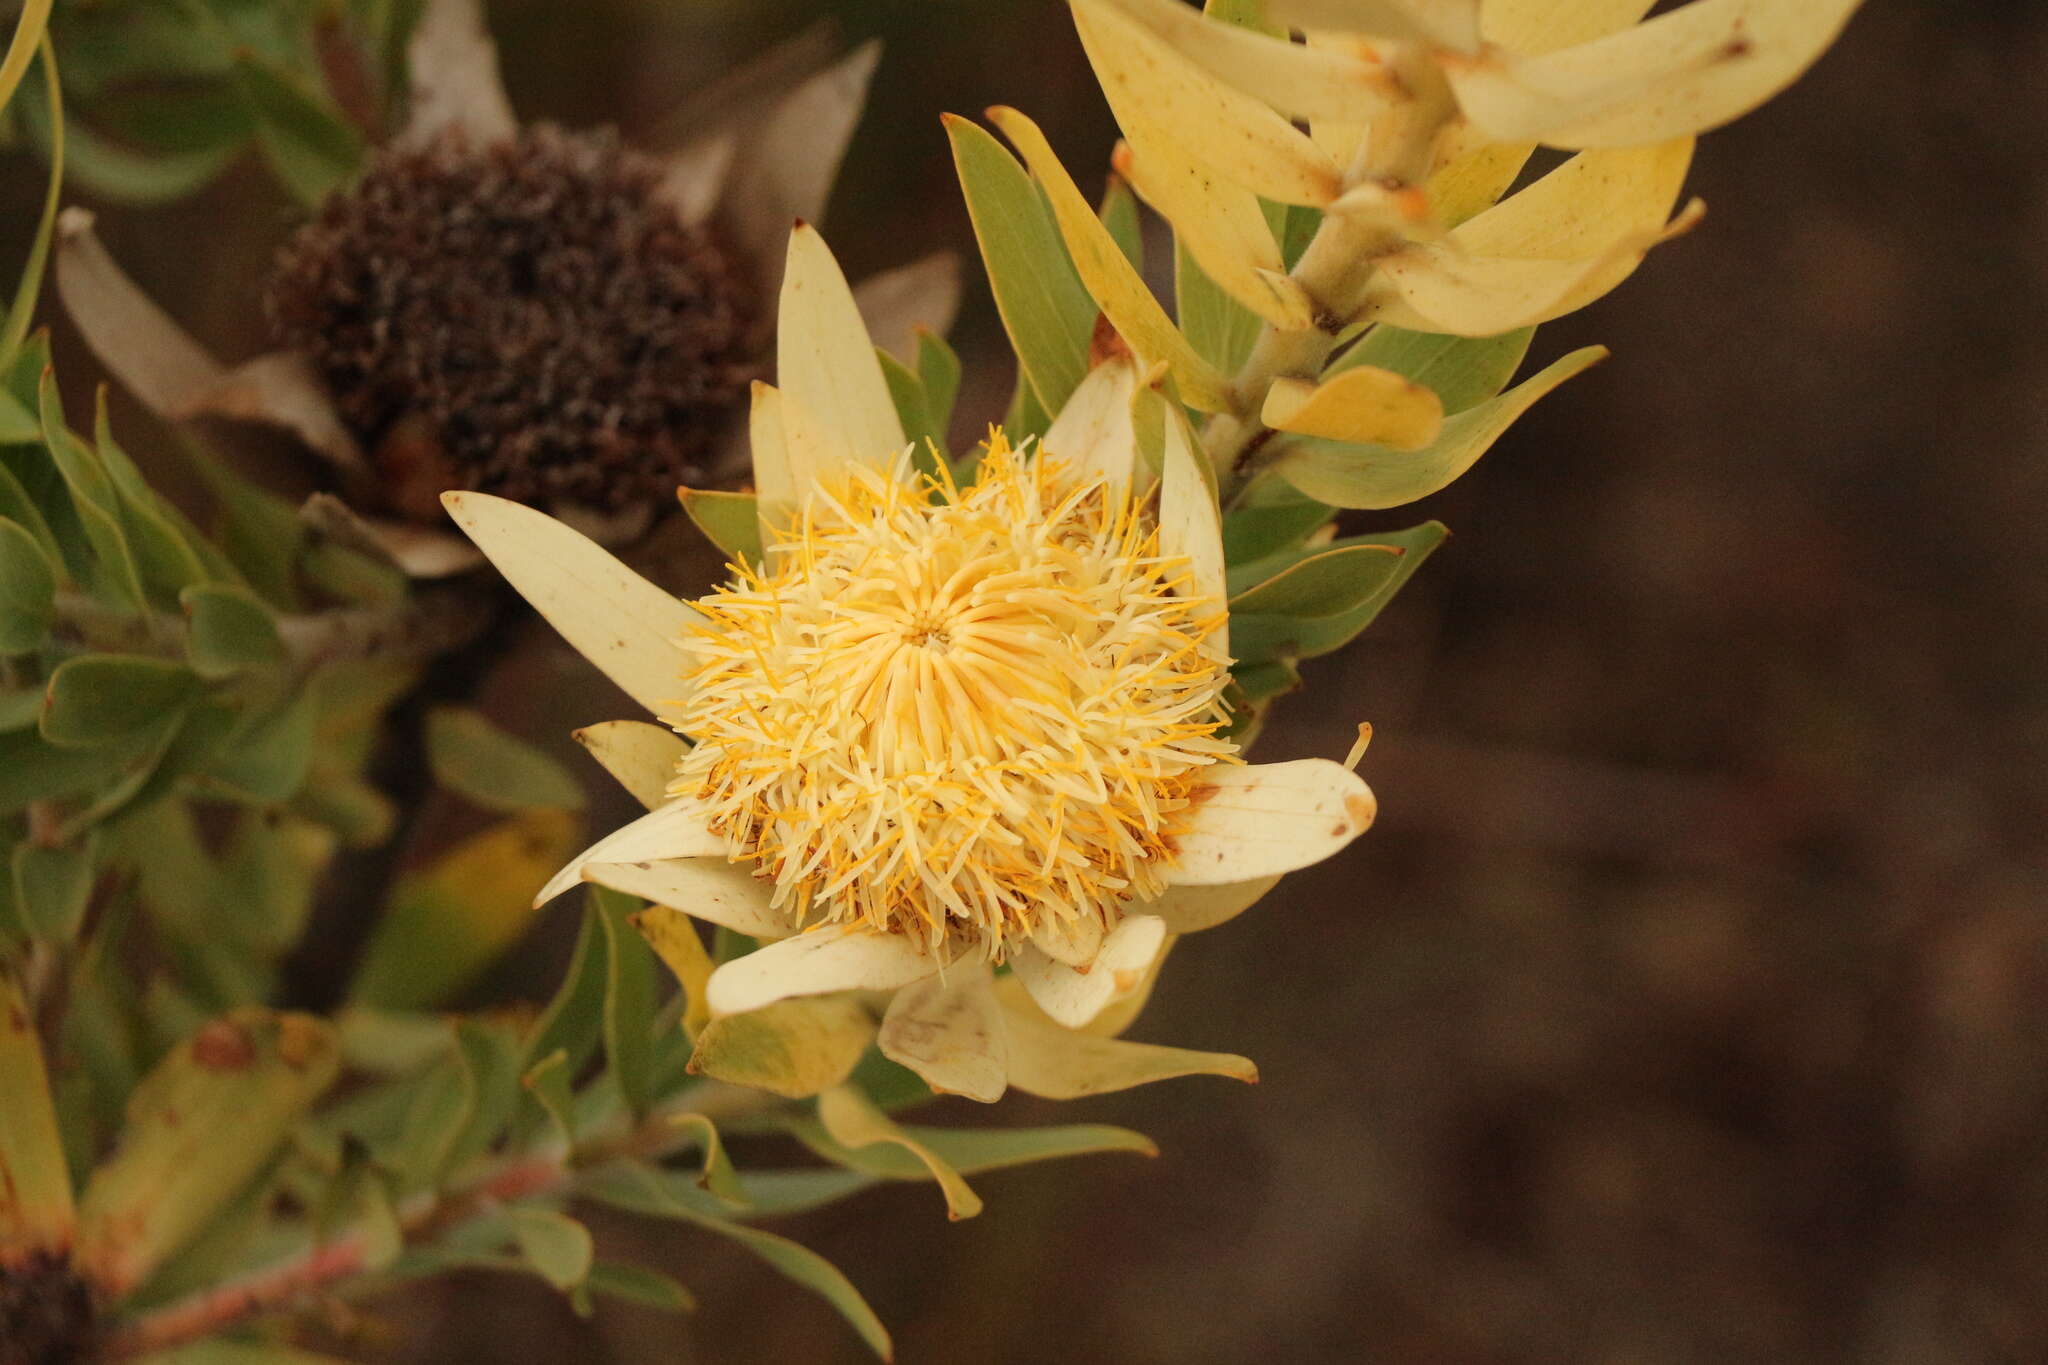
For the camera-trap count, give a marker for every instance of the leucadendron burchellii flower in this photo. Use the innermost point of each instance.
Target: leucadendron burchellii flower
(546, 314)
(942, 726)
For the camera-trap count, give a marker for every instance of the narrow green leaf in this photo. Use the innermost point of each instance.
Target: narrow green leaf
(52, 887)
(628, 999)
(251, 1074)
(229, 630)
(571, 1022)
(37, 1214)
(728, 520)
(21, 48)
(1257, 637)
(1046, 311)
(28, 588)
(1345, 475)
(638, 1285)
(906, 391)
(939, 368)
(18, 426)
(311, 147)
(970, 1151)
(640, 1190)
(1220, 328)
(98, 700)
(1464, 371)
(24, 305)
(548, 1082)
(1322, 583)
(167, 550)
(112, 570)
(17, 506)
(440, 1109)
(799, 1190)
(1119, 213)
(1251, 533)
(493, 768)
(267, 756)
(557, 1246)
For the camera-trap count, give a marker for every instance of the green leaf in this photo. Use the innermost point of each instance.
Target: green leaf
(1346, 475)
(250, 1075)
(449, 920)
(1321, 583)
(572, 1021)
(1220, 328)
(628, 999)
(1119, 213)
(641, 1190)
(1046, 311)
(52, 887)
(28, 588)
(906, 391)
(29, 26)
(228, 630)
(970, 1151)
(557, 1246)
(548, 1082)
(37, 1213)
(33, 769)
(939, 368)
(258, 531)
(163, 545)
(1251, 533)
(440, 1109)
(728, 520)
(240, 1353)
(266, 758)
(18, 426)
(638, 1285)
(120, 175)
(311, 147)
(112, 570)
(1257, 636)
(1464, 371)
(17, 506)
(493, 768)
(100, 700)
(1257, 682)
(24, 305)
(799, 1190)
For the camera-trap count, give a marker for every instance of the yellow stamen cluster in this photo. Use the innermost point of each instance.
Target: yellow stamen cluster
(958, 714)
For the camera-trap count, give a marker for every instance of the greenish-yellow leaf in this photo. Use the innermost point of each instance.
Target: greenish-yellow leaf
(37, 1213)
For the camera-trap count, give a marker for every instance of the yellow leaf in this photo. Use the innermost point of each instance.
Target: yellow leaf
(853, 1121)
(1554, 247)
(675, 941)
(1161, 95)
(36, 1214)
(1343, 81)
(1450, 24)
(1223, 228)
(1111, 280)
(1062, 1064)
(1681, 73)
(794, 1048)
(1364, 404)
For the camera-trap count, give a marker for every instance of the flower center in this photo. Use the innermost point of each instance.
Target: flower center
(529, 319)
(958, 714)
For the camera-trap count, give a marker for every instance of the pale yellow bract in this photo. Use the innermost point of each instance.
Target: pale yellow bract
(939, 728)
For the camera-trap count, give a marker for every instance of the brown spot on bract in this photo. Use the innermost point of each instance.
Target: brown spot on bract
(1361, 808)
(1105, 343)
(222, 1046)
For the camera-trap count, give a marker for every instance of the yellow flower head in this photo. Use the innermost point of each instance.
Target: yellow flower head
(957, 713)
(936, 728)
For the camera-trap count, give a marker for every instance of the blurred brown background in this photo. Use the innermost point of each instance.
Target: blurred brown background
(1690, 1001)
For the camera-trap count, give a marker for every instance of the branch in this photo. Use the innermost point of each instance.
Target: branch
(425, 1217)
